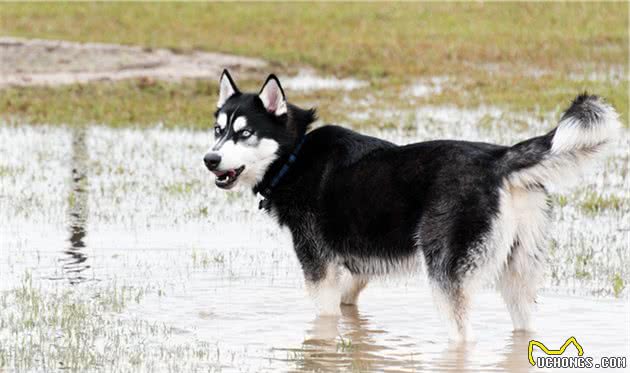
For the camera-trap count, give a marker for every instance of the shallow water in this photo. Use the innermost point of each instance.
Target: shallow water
(130, 216)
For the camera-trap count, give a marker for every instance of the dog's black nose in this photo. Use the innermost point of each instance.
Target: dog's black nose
(212, 160)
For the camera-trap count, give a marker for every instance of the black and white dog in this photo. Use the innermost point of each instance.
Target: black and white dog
(359, 207)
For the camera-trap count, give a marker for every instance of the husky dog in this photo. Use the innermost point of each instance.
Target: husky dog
(359, 207)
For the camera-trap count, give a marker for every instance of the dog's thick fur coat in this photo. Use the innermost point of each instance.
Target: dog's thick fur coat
(359, 207)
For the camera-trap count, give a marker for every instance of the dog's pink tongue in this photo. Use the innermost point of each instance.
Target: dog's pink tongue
(230, 173)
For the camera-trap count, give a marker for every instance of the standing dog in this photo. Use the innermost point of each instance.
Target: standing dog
(359, 207)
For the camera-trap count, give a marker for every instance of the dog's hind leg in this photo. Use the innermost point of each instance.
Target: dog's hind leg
(525, 266)
(518, 283)
(453, 302)
(518, 289)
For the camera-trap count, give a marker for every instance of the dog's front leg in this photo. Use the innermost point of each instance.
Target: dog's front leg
(325, 290)
(322, 278)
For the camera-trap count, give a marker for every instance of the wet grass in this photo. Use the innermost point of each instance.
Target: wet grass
(190, 104)
(144, 173)
(618, 285)
(182, 188)
(344, 344)
(593, 203)
(203, 259)
(77, 329)
(187, 104)
(524, 56)
(7, 171)
(48, 325)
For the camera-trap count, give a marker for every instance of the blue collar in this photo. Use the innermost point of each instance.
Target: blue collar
(266, 191)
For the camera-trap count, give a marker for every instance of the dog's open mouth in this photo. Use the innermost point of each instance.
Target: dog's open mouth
(227, 179)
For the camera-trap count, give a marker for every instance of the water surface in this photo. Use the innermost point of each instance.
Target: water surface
(179, 275)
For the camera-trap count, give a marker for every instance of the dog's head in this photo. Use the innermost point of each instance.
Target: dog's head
(252, 131)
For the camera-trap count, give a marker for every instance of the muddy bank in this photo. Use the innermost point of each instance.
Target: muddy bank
(32, 62)
(54, 62)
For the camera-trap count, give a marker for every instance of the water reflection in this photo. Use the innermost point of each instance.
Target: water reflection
(75, 261)
(350, 342)
(515, 355)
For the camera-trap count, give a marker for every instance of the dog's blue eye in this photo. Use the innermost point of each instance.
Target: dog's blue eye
(246, 133)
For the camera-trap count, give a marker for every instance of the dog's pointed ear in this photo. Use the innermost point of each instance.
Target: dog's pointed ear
(272, 96)
(227, 88)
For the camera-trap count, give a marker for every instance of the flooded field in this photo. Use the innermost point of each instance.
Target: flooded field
(117, 252)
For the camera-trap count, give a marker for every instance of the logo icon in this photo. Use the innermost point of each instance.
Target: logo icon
(560, 351)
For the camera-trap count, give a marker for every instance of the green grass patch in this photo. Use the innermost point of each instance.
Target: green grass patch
(8, 171)
(532, 94)
(618, 285)
(530, 57)
(191, 103)
(364, 39)
(594, 203)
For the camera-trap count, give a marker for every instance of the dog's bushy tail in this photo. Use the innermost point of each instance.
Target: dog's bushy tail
(585, 130)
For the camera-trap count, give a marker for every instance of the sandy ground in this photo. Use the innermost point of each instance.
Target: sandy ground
(52, 62)
(30, 62)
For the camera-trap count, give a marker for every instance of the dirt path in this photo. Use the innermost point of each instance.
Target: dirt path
(50, 62)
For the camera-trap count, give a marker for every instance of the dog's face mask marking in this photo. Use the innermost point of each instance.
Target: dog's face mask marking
(247, 133)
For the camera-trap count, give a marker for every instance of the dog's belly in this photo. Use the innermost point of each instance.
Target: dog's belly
(374, 243)
(372, 237)
(383, 265)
